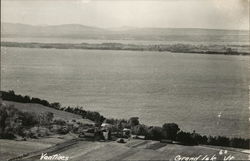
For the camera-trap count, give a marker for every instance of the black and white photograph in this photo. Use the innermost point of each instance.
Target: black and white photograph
(125, 80)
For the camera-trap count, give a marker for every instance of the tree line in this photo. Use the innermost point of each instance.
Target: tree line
(172, 132)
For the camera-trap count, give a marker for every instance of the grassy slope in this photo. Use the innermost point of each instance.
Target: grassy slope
(11, 148)
(37, 108)
(133, 150)
(86, 150)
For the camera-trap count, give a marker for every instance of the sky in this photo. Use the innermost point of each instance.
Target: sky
(216, 14)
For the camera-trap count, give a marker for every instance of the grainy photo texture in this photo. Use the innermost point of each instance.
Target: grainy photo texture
(111, 80)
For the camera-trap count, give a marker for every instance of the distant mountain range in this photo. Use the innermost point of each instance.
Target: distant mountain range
(11, 29)
(123, 33)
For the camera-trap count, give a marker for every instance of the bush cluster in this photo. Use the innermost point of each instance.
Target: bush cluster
(14, 122)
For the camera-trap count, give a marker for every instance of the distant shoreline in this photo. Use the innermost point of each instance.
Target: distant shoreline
(174, 48)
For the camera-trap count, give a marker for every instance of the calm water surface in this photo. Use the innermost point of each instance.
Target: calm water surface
(158, 87)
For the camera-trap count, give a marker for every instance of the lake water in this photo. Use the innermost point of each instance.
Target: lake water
(188, 89)
(225, 40)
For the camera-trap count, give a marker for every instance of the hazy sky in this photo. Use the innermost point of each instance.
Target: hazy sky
(225, 14)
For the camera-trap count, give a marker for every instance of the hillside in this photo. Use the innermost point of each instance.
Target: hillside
(37, 108)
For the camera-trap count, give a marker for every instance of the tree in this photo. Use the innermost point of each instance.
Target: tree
(223, 141)
(185, 138)
(3, 117)
(211, 140)
(133, 121)
(140, 130)
(155, 133)
(240, 143)
(56, 105)
(170, 130)
(122, 124)
(29, 119)
(26, 99)
(199, 139)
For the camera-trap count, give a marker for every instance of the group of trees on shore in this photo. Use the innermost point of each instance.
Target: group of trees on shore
(172, 132)
(168, 131)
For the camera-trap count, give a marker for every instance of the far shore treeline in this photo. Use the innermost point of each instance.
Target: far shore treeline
(175, 48)
(15, 123)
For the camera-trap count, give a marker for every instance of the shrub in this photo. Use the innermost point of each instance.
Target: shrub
(11, 123)
(63, 130)
(46, 118)
(59, 122)
(16, 123)
(29, 119)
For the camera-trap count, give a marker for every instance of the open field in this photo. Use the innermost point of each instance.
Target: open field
(88, 150)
